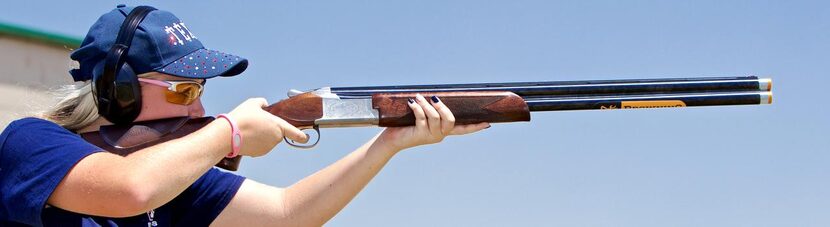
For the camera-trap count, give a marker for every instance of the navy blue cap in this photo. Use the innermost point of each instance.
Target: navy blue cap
(162, 43)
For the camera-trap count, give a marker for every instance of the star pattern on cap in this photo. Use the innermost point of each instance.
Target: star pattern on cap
(202, 63)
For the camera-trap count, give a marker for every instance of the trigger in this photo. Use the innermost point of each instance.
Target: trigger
(306, 145)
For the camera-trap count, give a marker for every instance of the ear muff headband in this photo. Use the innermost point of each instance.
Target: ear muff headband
(116, 87)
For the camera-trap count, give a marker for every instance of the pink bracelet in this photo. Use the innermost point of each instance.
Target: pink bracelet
(236, 136)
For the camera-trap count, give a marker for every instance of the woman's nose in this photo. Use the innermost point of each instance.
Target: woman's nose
(196, 109)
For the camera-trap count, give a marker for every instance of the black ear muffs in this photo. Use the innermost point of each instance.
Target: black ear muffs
(119, 98)
(114, 83)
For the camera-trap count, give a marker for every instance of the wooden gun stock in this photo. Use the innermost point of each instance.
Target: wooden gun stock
(126, 139)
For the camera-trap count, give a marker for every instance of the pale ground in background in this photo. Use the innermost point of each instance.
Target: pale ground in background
(27, 71)
(17, 102)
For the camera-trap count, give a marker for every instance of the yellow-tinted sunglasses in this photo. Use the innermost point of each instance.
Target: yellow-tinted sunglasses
(182, 92)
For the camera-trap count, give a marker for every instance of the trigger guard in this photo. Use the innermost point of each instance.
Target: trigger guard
(303, 146)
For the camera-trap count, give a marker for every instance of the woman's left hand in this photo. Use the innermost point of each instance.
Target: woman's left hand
(433, 122)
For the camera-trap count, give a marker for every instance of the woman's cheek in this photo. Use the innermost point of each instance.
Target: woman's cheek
(154, 105)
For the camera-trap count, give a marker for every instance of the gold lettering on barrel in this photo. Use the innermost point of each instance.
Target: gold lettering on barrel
(652, 104)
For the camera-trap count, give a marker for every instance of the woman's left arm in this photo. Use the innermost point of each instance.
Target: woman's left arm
(317, 198)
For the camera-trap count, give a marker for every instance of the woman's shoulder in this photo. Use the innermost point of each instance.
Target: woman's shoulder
(31, 120)
(31, 127)
(31, 123)
(35, 137)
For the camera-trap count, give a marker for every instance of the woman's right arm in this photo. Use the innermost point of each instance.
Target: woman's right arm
(106, 184)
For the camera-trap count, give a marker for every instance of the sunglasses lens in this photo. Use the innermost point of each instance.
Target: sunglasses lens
(185, 93)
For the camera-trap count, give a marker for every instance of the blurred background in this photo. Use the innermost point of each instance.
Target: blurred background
(707, 166)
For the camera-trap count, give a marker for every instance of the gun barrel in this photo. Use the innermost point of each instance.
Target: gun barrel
(648, 101)
(594, 87)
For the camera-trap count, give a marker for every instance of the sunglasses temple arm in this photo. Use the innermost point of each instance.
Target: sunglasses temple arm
(154, 82)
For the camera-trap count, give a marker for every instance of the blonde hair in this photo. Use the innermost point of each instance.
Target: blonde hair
(75, 108)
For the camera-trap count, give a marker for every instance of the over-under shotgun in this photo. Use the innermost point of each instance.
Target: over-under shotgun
(386, 106)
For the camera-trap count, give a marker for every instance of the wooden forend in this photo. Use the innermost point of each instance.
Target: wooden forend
(467, 107)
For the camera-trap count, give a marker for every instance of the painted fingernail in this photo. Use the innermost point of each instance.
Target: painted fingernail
(411, 100)
(488, 126)
(435, 99)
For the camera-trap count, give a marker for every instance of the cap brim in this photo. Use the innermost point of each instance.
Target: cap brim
(204, 64)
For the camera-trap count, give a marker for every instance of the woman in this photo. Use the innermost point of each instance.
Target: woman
(50, 176)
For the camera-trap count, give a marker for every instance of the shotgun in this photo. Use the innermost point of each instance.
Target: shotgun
(386, 106)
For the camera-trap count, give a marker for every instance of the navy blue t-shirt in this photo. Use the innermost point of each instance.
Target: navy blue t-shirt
(36, 154)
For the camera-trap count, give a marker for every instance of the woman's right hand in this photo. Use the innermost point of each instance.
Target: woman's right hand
(261, 130)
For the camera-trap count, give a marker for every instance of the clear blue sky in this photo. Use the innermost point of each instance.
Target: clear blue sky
(710, 166)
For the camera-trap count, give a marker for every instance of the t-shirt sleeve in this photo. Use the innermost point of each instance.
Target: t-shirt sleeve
(35, 155)
(202, 202)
